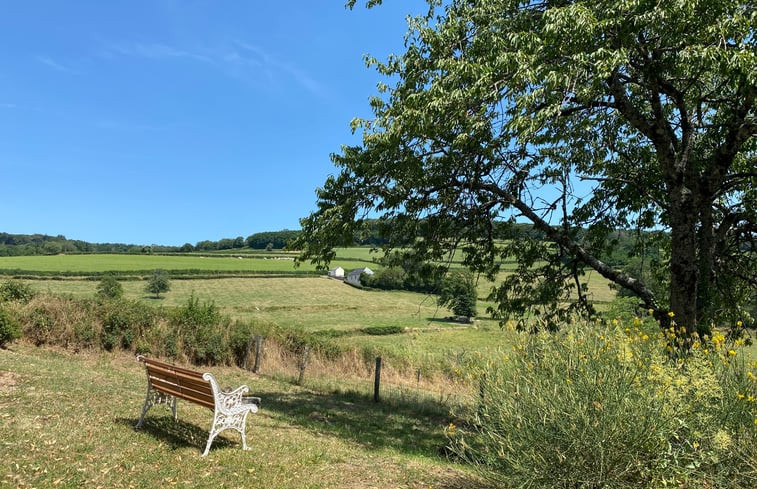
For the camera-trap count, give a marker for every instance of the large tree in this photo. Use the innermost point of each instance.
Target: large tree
(582, 117)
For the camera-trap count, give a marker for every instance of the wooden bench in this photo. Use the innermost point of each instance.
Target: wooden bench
(166, 383)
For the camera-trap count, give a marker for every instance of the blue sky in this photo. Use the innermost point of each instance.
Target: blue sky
(167, 121)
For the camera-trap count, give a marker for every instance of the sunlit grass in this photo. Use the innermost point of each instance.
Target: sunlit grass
(67, 421)
(98, 263)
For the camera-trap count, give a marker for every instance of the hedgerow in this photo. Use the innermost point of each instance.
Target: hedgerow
(196, 332)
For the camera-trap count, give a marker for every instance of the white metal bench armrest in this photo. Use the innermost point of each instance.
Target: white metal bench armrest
(230, 402)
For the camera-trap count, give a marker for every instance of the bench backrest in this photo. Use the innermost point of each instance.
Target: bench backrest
(179, 382)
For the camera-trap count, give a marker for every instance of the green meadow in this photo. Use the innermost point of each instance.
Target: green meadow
(305, 302)
(100, 263)
(67, 421)
(310, 303)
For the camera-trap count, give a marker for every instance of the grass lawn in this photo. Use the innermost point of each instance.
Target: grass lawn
(66, 421)
(306, 302)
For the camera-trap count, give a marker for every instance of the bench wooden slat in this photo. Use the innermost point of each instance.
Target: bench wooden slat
(175, 390)
(179, 379)
(202, 390)
(171, 368)
(168, 371)
(181, 383)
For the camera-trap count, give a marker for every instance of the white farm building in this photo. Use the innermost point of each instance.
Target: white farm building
(337, 272)
(354, 276)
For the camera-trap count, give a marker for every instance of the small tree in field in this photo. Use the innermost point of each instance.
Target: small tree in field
(109, 288)
(157, 283)
(459, 293)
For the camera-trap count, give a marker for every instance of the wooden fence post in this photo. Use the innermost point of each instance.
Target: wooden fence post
(377, 380)
(303, 365)
(258, 352)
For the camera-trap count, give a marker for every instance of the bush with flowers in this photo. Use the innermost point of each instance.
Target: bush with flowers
(610, 405)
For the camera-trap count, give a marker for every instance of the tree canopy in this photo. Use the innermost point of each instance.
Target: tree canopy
(582, 117)
(158, 282)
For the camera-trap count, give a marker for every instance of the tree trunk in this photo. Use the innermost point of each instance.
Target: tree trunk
(706, 284)
(684, 269)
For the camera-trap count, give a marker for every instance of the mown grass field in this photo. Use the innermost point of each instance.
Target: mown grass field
(320, 303)
(67, 421)
(309, 303)
(249, 261)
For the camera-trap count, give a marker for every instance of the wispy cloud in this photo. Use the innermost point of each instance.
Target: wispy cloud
(256, 55)
(57, 66)
(155, 51)
(238, 59)
(8, 106)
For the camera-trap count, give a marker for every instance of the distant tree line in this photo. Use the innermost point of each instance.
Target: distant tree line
(624, 244)
(42, 244)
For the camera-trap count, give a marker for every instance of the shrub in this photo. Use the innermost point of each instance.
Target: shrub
(195, 313)
(612, 408)
(458, 292)
(10, 329)
(239, 338)
(211, 346)
(201, 327)
(57, 320)
(15, 290)
(124, 322)
(109, 288)
(383, 330)
(392, 278)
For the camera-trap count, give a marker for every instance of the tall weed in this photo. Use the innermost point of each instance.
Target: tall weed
(612, 407)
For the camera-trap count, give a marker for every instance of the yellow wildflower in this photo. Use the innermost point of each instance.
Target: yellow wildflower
(739, 323)
(731, 353)
(651, 311)
(740, 396)
(451, 427)
(671, 314)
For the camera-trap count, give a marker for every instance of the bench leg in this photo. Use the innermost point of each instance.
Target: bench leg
(222, 422)
(241, 430)
(153, 398)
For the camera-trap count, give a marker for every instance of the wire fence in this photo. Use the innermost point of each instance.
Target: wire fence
(379, 378)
